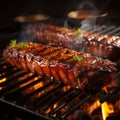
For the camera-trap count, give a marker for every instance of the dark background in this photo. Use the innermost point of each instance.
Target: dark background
(9, 9)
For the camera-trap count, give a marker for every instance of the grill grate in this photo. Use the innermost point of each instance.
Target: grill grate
(26, 91)
(33, 97)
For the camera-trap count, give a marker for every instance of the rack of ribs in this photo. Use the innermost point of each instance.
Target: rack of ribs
(100, 45)
(80, 70)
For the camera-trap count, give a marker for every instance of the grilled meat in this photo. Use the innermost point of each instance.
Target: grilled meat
(95, 44)
(80, 70)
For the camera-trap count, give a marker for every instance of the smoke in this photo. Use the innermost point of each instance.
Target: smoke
(87, 23)
(25, 34)
(87, 6)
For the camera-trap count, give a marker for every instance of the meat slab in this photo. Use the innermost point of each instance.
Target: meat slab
(100, 45)
(80, 70)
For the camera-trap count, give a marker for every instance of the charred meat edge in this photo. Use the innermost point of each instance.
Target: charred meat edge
(59, 63)
(100, 45)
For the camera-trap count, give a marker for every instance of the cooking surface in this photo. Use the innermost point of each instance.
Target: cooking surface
(28, 95)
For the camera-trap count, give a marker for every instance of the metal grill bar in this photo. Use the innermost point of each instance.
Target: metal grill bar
(76, 106)
(22, 111)
(106, 30)
(51, 102)
(65, 102)
(96, 29)
(46, 94)
(113, 32)
(26, 97)
(16, 90)
(117, 34)
(4, 69)
(10, 78)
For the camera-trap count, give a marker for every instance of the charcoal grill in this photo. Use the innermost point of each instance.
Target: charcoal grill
(31, 97)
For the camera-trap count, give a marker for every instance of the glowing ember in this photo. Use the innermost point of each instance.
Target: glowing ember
(25, 76)
(51, 108)
(94, 106)
(34, 87)
(65, 88)
(107, 109)
(55, 106)
(2, 80)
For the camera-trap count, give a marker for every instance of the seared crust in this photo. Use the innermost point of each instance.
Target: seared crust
(100, 45)
(60, 64)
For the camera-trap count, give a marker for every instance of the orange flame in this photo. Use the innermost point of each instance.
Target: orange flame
(51, 108)
(2, 80)
(65, 88)
(94, 106)
(107, 109)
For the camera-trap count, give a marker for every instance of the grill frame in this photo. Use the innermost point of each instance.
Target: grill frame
(23, 110)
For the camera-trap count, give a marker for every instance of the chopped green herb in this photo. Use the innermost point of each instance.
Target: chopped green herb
(77, 58)
(78, 31)
(23, 44)
(12, 43)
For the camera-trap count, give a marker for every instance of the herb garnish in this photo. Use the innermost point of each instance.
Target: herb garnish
(12, 43)
(23, 44)
(78, 31)
(77, 58)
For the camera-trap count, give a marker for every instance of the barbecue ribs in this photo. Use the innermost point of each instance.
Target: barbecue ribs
(80, 70)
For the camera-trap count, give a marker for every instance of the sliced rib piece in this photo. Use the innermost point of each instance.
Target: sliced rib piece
(100, 45)
(80, 70)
